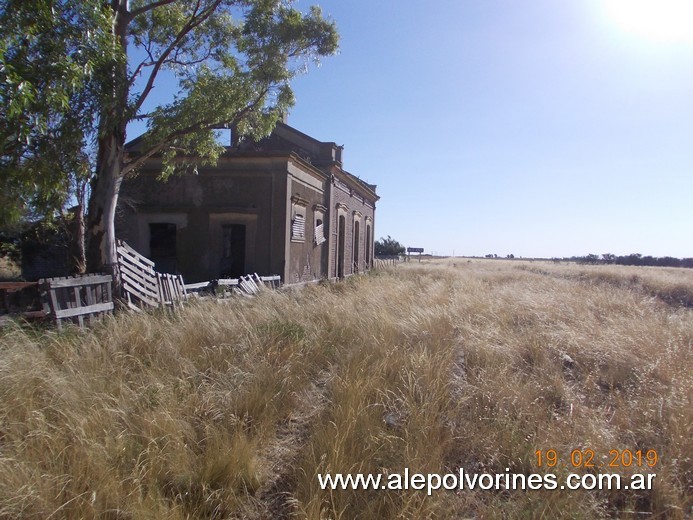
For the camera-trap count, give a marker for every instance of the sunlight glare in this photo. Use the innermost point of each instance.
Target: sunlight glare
(662, 21)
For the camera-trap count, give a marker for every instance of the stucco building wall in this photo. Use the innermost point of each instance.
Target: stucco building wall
(350, 204)
(270, 207)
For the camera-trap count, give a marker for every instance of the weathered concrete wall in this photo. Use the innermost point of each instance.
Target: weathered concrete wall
(253, 196)
(305, 259)
(354, 207)
(250, 193)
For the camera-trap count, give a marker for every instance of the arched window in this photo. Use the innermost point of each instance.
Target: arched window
(357, 239)
(356, 247)
(369, 239)
(340, 243)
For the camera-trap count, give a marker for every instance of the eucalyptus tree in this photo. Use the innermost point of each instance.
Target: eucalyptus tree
(388, 247)
(97, 64)
(47, 111)
(232, 61)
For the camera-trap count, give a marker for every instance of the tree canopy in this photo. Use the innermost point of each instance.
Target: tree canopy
(234, 61)
(388, 247)
(46, 110)
(88, 68)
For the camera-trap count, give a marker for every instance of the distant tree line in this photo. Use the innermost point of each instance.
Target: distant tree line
(633, 259)
(388, 247)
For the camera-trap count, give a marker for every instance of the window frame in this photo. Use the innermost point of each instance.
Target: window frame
(319, 235)
(299, 210)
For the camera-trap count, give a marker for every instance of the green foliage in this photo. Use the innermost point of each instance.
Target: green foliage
(632, 259)
(232, 72)
(68, 92)
(388, 247)
(46, 107)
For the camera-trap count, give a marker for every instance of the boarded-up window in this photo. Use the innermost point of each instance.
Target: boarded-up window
(299, 211)
(318, 224)
(298, 227)
(319, 232)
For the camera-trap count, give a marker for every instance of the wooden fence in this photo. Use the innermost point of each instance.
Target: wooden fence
(385, 261)
(20, 300)
(144, 287)
(78, 298)
(245, 285)
(84, 298)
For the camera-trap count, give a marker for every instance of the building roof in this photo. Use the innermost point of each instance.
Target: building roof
(287, 132)
(287, 140)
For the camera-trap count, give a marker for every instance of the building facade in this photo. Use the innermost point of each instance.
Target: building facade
(283, 205)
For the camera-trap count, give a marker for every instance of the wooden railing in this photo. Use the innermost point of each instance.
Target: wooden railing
(84, 298)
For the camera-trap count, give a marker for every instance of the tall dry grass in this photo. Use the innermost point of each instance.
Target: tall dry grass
(231, 410)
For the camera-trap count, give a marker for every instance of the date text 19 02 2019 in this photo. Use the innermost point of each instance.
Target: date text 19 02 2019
(587, 458)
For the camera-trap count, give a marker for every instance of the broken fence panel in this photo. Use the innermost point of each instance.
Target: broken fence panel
(198, 289)
(78, 298)
(248, 285)
(143, 286)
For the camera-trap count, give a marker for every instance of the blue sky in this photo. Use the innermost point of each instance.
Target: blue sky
(538, 128)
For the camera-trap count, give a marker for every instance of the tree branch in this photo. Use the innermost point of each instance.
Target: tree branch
(142, 117)
(139, 68)
(138, 161)
(149, 7)
(200, 126)
(195, 21)
(143, 64)
(191, 62)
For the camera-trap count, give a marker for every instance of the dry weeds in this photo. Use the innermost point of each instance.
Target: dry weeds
(231, 410)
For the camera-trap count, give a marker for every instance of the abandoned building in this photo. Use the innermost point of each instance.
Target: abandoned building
(282, 205)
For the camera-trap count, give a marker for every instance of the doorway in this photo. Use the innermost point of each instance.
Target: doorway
(232, 262)
(357, 240)
(340, 246)
(368, 246)
(162, 246)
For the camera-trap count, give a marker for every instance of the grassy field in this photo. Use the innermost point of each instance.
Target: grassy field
(231, 410)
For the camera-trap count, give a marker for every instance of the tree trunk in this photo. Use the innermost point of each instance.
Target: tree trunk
(77, 252)
(105, 185)
(101, 253)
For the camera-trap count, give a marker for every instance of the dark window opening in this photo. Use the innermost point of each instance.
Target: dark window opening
(357, 239)
(340, 246)
(162, 246)
(368, 247)
(232, 264)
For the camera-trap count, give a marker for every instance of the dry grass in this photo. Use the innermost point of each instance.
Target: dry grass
(231, 410)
